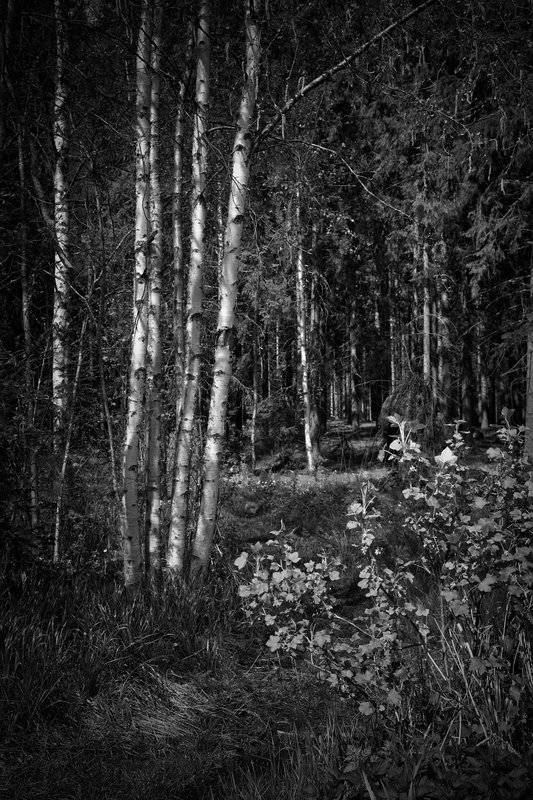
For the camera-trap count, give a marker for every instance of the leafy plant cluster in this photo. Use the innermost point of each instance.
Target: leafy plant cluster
(440, 642)
(288, 597)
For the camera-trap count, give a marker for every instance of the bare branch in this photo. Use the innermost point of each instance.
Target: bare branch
(304, 90)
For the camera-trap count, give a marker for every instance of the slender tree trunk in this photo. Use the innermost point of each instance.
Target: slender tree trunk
(137, 375)
(99, 349)
(318, 359)
(60, 318)
(228, 296)
(466, 356)
(354, 375)
(426, 316)
(528, 447)
(177, 244)
(6, 89)
(62, 480)
(153, 354)
(255, 389)
(302, 341)
(443, 350)
(29, 411)
(180, 496)
(482, 380)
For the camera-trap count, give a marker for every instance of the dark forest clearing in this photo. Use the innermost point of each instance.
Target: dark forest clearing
(266, 402)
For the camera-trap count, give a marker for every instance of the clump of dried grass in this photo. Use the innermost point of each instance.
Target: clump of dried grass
(167, 709)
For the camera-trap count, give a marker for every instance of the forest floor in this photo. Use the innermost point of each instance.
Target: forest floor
(178, 697)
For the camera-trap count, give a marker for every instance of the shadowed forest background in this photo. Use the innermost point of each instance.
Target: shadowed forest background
(266, 354)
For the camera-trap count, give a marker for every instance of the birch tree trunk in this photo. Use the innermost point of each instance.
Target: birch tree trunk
(61, 228)
(443, 349)
(193, 350)
(153, 354)
(395, 370)
(228, 294)
(482, 379)
(137, 372)
(426, 315)
(302, 341)
(177, 243)
(466, 354)
(99, 347)
(354, 400)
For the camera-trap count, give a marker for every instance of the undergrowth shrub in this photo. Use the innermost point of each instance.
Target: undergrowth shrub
(288, 597)
(441, 645)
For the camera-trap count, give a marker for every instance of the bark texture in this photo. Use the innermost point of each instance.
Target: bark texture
(228, 294)
(137, 370)
(193, 351)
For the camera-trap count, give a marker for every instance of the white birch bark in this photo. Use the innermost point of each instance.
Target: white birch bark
(99, 346)
(302, 339)
(137, 371)
(354, 376)
(193, 350)
(426, 315)
(153, 354)
(443, 349)
(177, 241)
(61, 229)
(66, 446)
(228, 295)
(393, 332)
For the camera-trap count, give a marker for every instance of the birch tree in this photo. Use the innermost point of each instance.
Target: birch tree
(242, 152)
(177, 241)
(222, 370)
(154, 356)
(137, 368)
(61, 228)
(193, 352)
(301, 324)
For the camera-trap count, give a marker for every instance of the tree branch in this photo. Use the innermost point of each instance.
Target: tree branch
(303, 91)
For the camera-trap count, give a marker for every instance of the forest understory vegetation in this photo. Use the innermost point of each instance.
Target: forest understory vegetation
(360, 635)
(266, 399)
